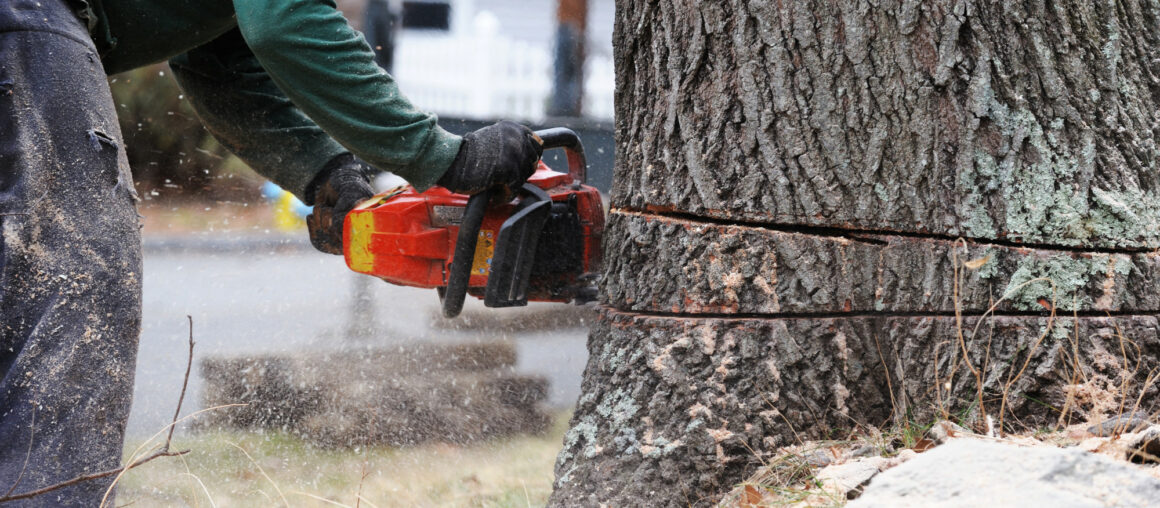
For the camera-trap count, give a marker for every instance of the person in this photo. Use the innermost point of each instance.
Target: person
(286, 85)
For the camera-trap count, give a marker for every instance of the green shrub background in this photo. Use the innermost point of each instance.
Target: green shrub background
(171, 154)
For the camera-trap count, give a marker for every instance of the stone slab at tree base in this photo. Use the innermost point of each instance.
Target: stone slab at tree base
(676, 410)
(394, 396)
(968, 472)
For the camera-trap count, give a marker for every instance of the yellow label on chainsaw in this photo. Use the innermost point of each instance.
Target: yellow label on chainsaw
(360, 258)
(484, 249)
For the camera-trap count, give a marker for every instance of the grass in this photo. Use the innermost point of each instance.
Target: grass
(241, 469)
(786, 480)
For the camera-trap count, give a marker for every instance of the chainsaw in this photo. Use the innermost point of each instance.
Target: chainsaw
(541, 245)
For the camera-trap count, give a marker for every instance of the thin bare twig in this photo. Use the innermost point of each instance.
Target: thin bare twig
(319, 498)
(779, 413)
(1148, 382)
(1116, 430)
(162, 452)
(1075, 372)
(893, 404)
(938, 382)
(987, 355)
(755, 455)
(1027, 361)
(263, 471)
(27, 455)
(367, 501)
(93, 476)
(184, 384)
(958, 274)
(990, 311)
(202, 484)
(362, 479)
(121, 472)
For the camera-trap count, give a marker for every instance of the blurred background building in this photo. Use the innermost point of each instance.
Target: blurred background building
(486, 59)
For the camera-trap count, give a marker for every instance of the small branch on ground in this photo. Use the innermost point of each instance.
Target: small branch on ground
(93, 476)
(162, 452)
(27, 455)
(184, 385)
(361, 480)
(263, 471)
(957, 282)
(1070, 398)
(1027, 361)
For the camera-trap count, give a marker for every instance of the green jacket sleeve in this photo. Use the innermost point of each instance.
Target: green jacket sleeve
(328, 71)
(243, 108)
(294, 86)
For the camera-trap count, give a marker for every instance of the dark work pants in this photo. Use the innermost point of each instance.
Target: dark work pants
(70, 259)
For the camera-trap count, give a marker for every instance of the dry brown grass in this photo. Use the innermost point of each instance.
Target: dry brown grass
(236, 469)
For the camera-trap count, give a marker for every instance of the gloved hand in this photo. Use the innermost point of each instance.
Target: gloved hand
(339, 187)
(501, 154)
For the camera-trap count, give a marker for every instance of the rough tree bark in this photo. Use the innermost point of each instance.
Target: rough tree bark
(807, 192)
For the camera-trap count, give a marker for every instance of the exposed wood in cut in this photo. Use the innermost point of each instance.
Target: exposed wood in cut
(661, 264)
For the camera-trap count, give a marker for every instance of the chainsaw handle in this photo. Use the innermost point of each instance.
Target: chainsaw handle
(563, 137)
(459, 274)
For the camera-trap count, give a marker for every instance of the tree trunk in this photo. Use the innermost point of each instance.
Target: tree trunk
(819, 206)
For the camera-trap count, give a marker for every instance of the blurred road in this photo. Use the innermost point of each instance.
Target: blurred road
(272, 293)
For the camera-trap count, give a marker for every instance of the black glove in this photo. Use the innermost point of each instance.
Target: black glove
(501, 154)
(339, 187)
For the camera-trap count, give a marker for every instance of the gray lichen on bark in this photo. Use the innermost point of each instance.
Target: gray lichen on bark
(1034, 121)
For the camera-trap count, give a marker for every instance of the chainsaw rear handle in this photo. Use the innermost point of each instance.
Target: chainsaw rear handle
(459, 273)
(563, 137)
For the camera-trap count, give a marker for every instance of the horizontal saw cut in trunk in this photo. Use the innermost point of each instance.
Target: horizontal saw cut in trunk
(712, 268)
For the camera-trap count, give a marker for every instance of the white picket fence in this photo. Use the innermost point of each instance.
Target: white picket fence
(599, 85)
(484, 75)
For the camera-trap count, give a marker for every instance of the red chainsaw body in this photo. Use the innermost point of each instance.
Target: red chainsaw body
(408, 238)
